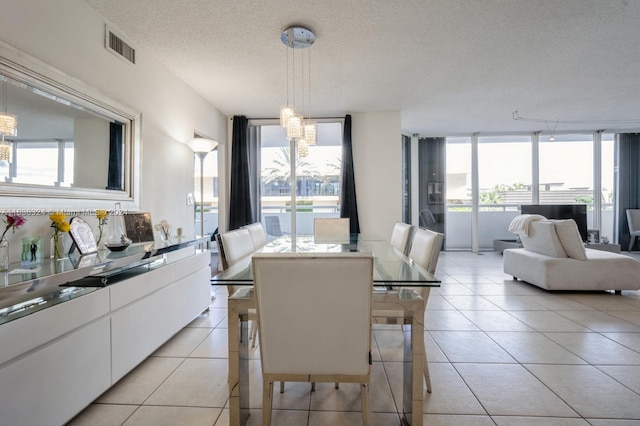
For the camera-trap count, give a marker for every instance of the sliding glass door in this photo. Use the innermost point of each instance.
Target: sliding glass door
(498, 174)
(315, 179)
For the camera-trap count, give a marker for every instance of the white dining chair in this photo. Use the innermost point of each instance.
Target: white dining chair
(401, 237)
(257, 234)
(298, 340)
(331, 230)
(633, 220)
(234, 246)
(425, 251)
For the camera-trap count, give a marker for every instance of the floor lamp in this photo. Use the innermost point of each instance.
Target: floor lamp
(202, 147)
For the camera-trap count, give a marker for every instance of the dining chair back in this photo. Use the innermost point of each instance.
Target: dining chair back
(233, 246)
(331, 230)
(633, 219)
(425, 251)
(314, 314)
(425, 248)
(401, 237)
(257, 234)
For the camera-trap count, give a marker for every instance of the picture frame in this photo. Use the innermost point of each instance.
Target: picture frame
(82, 236)
(593, 236)
(31, 251)
(138, 227)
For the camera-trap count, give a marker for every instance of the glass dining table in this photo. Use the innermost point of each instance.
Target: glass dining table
(393, 277)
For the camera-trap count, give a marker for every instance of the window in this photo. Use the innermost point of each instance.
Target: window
(40, 163)
(566, 171)
(607, 179)
(504, 172)
(504, 181)
(210, 190)
(317, 179)
(458, 194)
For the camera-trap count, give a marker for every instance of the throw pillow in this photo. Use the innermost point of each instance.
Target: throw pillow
(543, 239)
(570, 239)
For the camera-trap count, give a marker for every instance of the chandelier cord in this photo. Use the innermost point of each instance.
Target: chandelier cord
(309, 84)
(286, 51)
(4, 94)
(302, 80)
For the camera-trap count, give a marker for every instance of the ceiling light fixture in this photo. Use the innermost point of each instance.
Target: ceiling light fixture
(8, 125)
(298, 129)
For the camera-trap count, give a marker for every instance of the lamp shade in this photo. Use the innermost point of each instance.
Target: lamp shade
(202, 145)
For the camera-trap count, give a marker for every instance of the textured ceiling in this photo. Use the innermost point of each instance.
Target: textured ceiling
(449, 66)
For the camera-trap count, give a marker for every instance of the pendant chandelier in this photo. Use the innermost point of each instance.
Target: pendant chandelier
(8, 125)
(303, 131)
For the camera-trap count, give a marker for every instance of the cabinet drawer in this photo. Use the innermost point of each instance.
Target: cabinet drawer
(54, 383)
(24, 334)
(135, 288)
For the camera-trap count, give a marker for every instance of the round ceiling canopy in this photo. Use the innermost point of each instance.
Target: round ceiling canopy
(297, 37)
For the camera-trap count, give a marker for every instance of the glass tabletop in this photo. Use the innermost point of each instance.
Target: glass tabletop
(390, 266)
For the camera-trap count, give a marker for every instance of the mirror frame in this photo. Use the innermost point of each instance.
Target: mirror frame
(22, 67)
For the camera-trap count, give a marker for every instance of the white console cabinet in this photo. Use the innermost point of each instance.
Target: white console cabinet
(56, 361)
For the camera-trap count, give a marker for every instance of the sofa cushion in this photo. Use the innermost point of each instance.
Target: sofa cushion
(570, 239)
(543, 239)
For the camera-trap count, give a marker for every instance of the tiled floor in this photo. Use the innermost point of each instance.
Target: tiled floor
(500, 353)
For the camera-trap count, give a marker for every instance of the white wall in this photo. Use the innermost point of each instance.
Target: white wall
(89, 152)
(377, 156)
(69, 35)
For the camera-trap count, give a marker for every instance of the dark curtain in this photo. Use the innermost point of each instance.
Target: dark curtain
(348, 202)
(432, 173)
(241, 208)
(406, 179)
(628, 184)
(114, 173)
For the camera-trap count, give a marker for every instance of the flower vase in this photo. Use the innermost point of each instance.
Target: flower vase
(4, 255)
(101, 240)
(165, 235)
(57, 246)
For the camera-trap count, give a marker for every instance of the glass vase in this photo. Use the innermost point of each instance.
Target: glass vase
(100, 242)
(57, 246)
(4, 255)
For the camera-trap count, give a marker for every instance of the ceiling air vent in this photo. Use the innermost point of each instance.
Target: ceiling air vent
(116, 45)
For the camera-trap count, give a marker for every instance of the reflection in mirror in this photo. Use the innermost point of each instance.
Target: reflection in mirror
(59, 143)
(72, 142)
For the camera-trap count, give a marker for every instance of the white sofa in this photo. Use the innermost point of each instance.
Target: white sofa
(554, 258)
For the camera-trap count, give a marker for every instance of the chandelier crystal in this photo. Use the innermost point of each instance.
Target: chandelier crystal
(303, 148)
(8, 125)
(294, 128)
(310, 132)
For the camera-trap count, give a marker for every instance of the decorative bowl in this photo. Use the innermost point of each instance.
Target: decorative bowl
(117, 247)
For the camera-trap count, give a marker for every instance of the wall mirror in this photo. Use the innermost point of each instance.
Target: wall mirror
(72, 145)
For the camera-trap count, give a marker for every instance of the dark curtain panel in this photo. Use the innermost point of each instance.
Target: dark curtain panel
(628, 182)
(406, 179)
(241, 211)
(114, 174)
(348, 202)
(432, 173)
